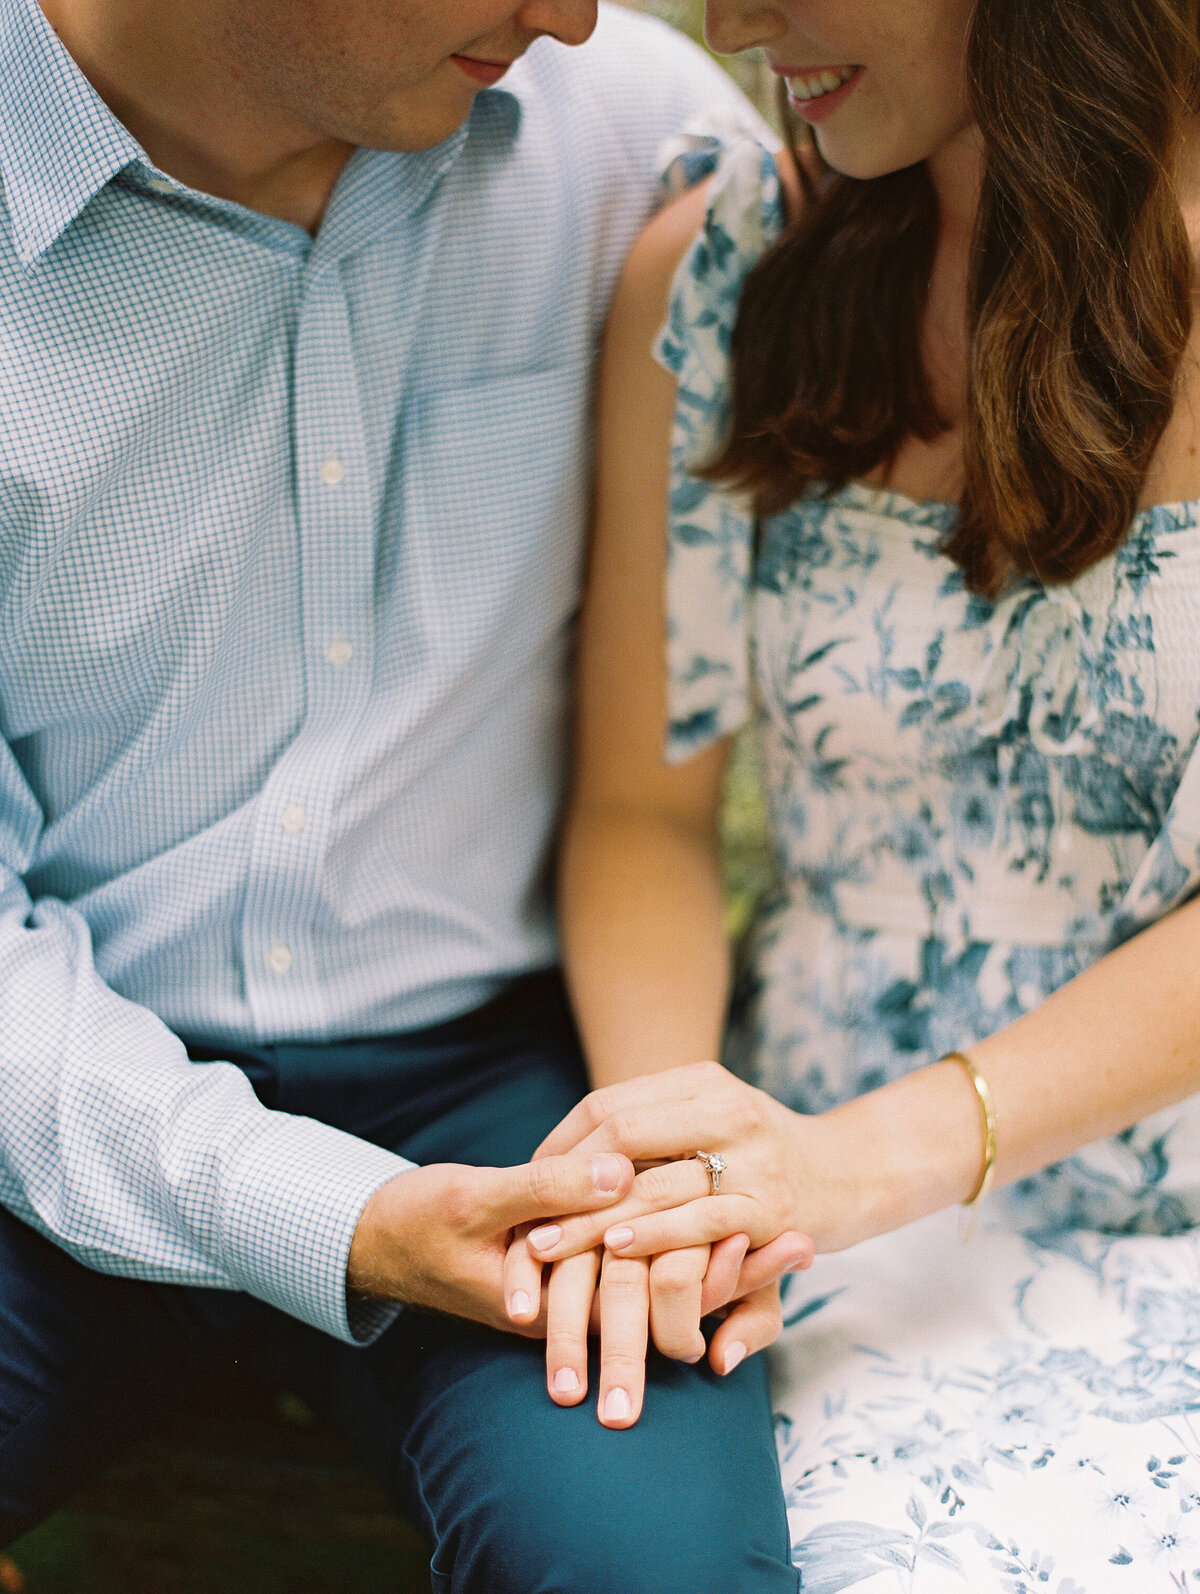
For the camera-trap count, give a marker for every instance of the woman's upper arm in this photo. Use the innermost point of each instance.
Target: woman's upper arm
(622, 662)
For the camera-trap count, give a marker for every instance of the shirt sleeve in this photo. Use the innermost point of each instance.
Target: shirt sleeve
(139, 1162)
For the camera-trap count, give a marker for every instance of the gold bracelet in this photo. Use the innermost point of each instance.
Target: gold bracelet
(989, 1124)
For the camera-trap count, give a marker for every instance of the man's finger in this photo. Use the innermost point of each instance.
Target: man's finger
(547, 1189)
(752, 1325)
(569, 1294)
(522, 1283)
(624, 1334)
(792, 1252)
(724, 1269)
(676, 1281)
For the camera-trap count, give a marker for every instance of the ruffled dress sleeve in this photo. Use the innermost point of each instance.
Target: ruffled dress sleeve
(711, 530)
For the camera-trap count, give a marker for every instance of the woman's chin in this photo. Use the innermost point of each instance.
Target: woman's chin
(864, 157)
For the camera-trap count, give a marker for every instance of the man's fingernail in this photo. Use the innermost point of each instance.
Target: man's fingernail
(692, 1360)
(734, 1354)
(566, 1381)
(545, 1238)
(607, 1171)
(799, 1263)
(616, 1406)
(617, 1239)
(519, 1304)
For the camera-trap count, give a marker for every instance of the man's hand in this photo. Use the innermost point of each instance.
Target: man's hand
(438, 1236)
(625, 1302)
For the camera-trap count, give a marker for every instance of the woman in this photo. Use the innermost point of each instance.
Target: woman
(934, 521)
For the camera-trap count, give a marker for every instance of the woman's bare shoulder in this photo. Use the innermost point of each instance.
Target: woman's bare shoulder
(645, 284)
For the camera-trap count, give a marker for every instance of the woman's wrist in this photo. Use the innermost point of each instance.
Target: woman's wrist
(910, 1148)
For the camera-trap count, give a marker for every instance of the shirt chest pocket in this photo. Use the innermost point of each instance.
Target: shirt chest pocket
(497, 477)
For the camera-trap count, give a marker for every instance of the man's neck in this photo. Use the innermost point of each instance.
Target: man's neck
(165, 73)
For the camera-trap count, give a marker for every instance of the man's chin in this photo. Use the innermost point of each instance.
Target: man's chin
(419, 122)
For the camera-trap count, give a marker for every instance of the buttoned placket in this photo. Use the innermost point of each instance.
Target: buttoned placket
(334, 514)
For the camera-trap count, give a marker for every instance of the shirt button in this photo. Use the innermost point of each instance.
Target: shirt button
(279, 960)
(161, 185)
(339, 652)
(333, 471)
(293, 819)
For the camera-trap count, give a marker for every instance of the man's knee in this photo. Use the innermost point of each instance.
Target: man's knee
(527, 1498)
(684, 1546)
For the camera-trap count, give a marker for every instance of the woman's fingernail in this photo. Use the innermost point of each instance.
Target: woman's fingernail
(519, 1304)
(617, 1239)
(799, 1263)
(607, 1171)
(566, 1381)
(734, 1354)
(616, 1406)
(545, 1238)
(692, 1360)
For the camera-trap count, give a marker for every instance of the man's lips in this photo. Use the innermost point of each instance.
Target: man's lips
(485, 72)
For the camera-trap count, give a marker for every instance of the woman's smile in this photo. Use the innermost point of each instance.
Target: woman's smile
(816, 92)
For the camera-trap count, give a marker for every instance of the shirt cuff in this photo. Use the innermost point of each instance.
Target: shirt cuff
(292, 1200)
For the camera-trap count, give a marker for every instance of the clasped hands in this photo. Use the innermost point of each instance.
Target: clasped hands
(670, 1252)
(612, 1228)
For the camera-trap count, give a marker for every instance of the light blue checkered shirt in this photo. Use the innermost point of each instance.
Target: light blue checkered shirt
(289, 550)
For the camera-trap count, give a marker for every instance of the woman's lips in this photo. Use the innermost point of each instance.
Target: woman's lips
(820, 107)
(816, 92)
(485, 72)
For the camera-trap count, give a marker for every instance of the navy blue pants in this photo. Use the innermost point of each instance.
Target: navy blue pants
(517, 1495)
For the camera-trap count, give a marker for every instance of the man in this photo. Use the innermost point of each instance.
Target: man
(298, 300)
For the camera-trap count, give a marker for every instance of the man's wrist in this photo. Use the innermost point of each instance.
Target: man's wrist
(371, 1265)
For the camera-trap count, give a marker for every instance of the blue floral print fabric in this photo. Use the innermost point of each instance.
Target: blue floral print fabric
(970, 802)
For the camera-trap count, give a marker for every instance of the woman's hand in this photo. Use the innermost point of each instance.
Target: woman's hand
(664, 1297)
(835, 1177)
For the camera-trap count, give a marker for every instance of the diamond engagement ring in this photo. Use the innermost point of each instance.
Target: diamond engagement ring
(715, 1165)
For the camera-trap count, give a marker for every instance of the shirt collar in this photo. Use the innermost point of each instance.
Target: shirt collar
(506, 101)
(59, 142)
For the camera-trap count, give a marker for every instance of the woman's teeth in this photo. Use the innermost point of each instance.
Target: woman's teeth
(818, 83)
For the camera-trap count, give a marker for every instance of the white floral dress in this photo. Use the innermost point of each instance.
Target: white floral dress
(970, 802)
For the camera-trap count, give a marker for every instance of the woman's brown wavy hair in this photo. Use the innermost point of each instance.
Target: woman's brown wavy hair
(1080, 296)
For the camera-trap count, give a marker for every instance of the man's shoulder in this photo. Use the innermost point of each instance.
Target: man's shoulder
(635, 78)
(636, 46)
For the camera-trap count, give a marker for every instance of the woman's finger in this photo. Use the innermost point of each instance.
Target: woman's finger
(671, 1085)
(666, 1130)
(522, 1283)
(676, 1282)
(752, 1325)
(791, 1252)
(702, 1222)
(569, 1296)
(670, 1184)
(624, 1334)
